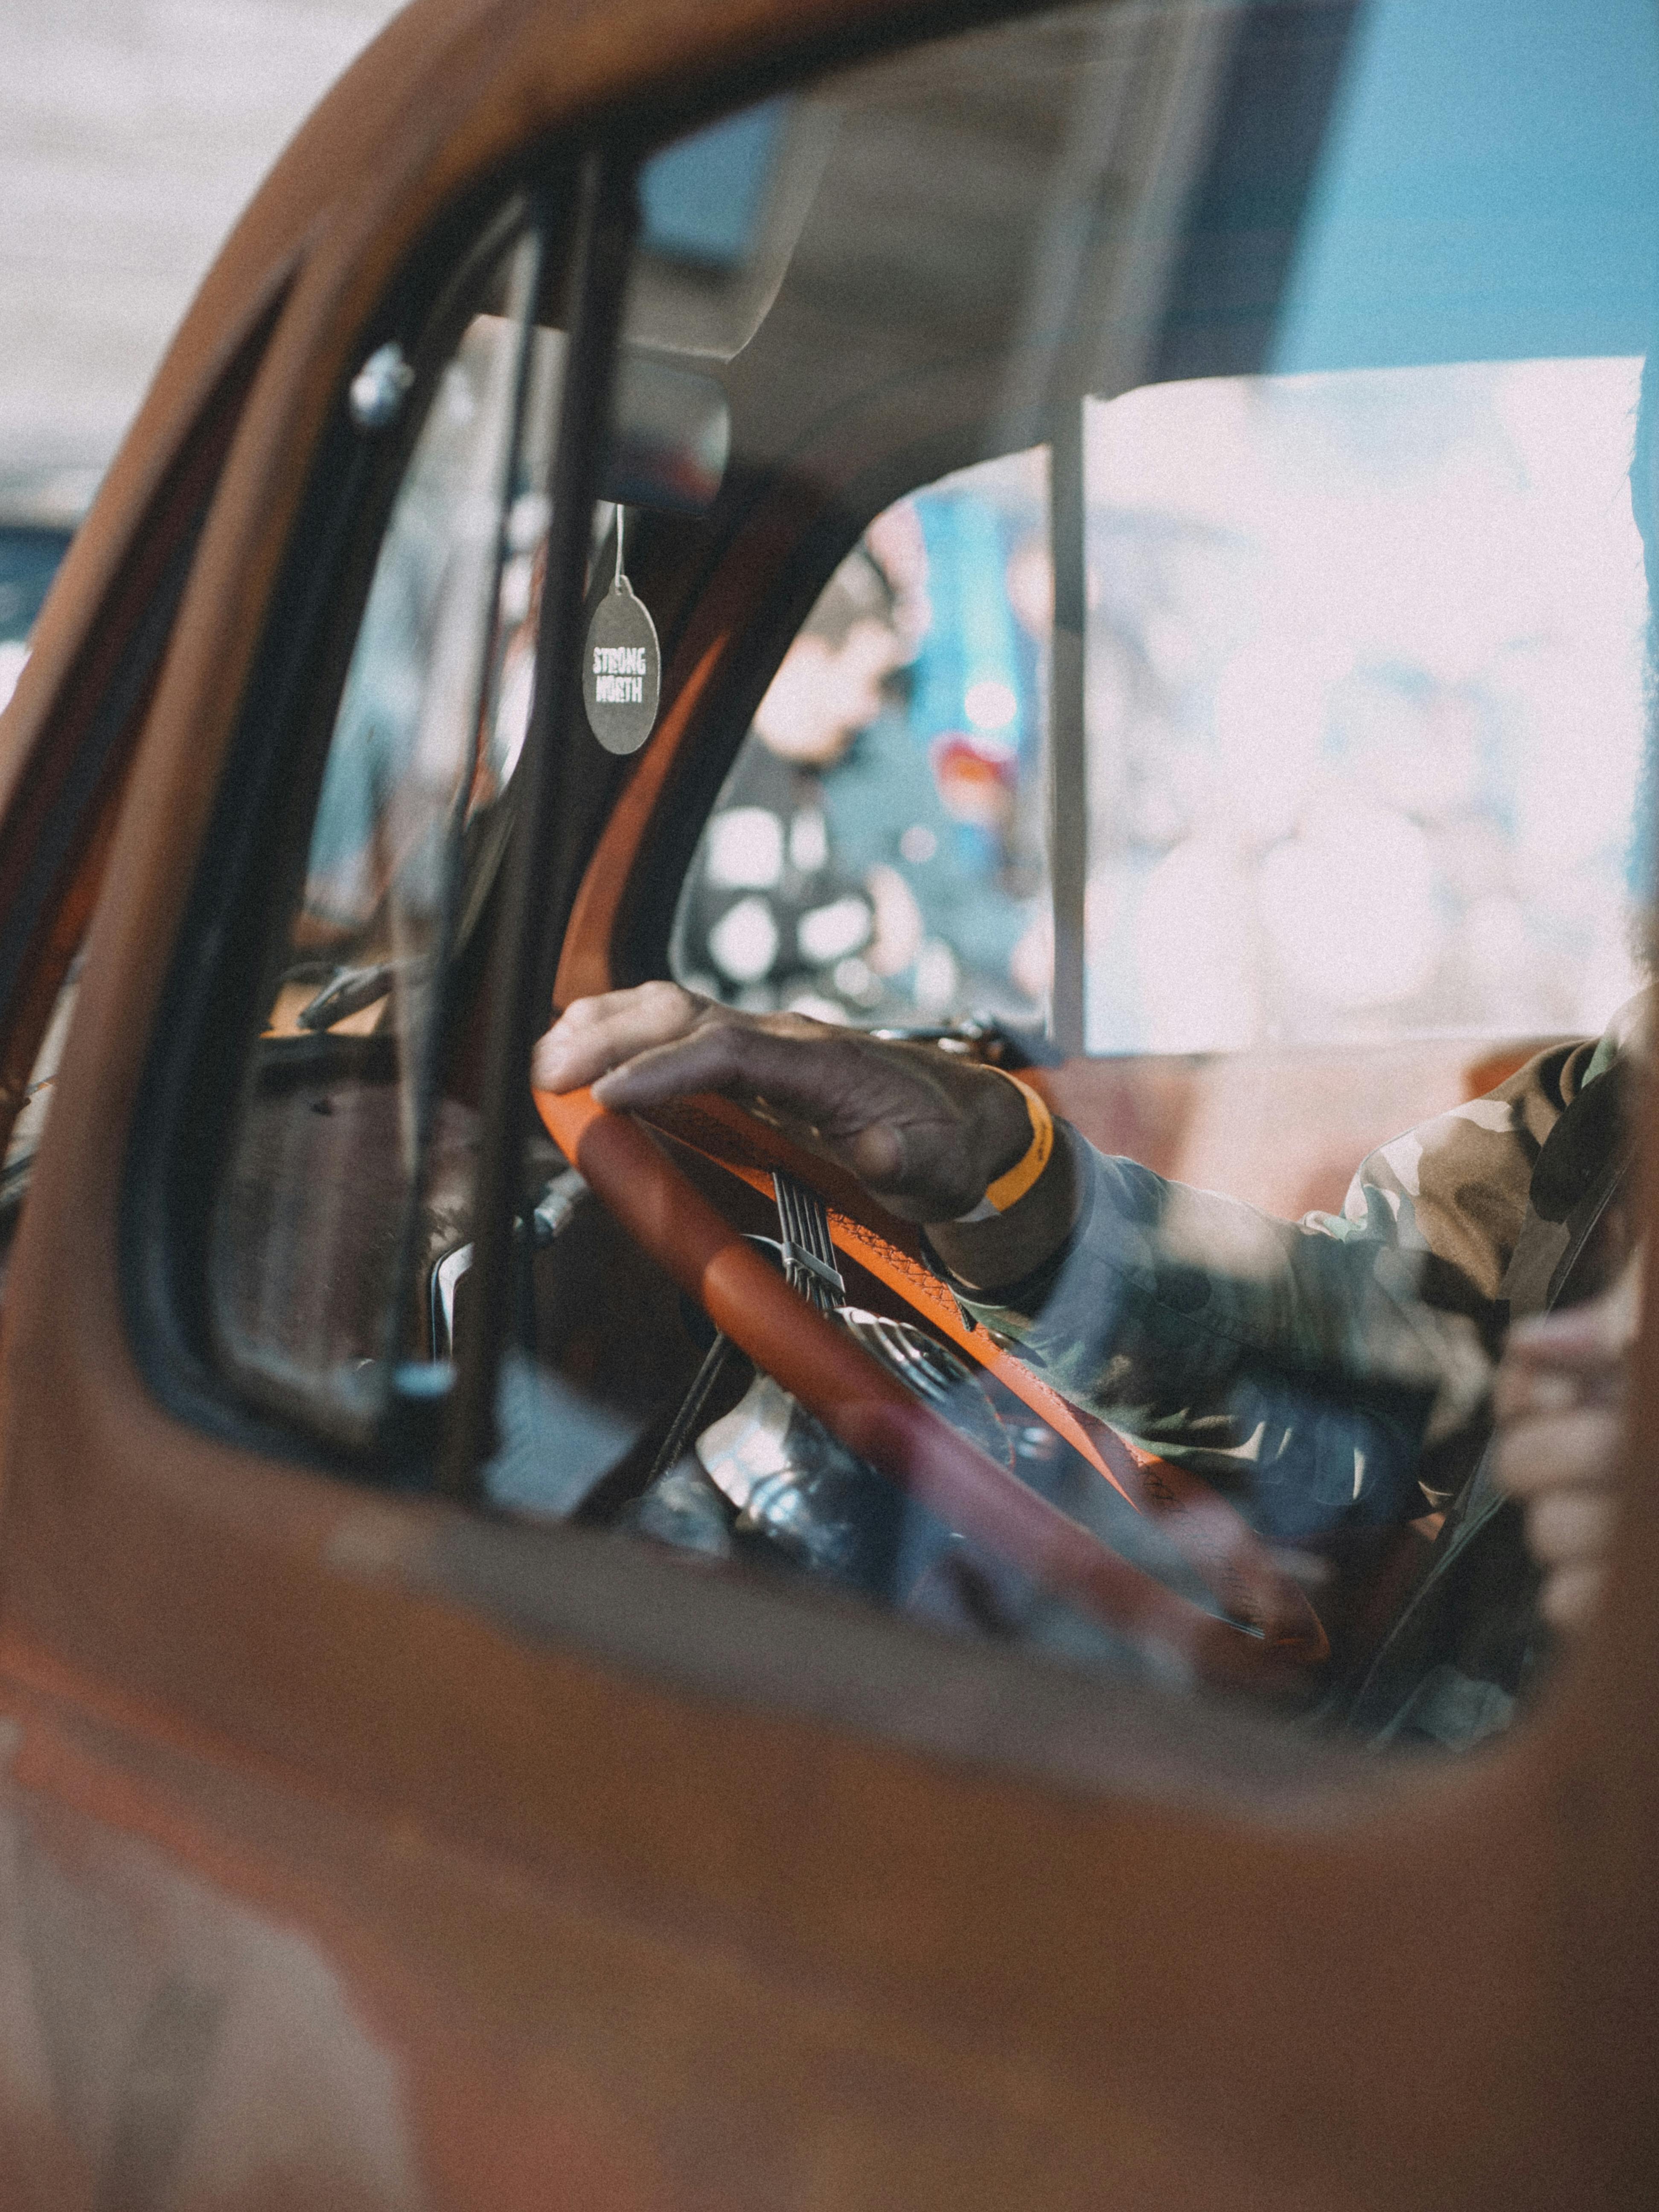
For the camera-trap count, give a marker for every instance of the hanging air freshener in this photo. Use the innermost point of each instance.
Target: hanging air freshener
(622, 671)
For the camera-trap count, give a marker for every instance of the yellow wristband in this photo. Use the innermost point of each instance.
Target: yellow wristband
(1008, 1189)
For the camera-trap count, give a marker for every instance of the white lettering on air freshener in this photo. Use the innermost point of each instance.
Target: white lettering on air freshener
(622, 674)
(619, 674)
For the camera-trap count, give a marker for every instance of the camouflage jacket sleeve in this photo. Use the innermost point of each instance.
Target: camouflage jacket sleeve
(1323, 1371)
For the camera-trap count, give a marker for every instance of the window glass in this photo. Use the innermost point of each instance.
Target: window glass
(1364, 705)
(1242, 577)
(350, 1157)
(29, 1126)
(1281, 633)
(877, 852)
(29, 557)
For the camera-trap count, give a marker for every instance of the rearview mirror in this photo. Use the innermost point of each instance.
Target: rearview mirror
(721, 212)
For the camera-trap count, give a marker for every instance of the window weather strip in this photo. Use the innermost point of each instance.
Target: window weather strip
(543, 865)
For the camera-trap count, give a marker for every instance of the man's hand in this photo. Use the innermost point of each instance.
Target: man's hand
(1559, 1402)
(926, 1132)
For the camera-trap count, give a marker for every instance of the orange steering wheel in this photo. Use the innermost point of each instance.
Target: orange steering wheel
(1272, 1636)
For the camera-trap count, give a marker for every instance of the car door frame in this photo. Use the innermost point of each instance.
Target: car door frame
(672, 1887)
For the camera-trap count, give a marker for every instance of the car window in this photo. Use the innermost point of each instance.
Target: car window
(1286, 702)
(29, 557)
(30, 554)
(347, 1145)
(72, 813)
(1103, 613)
(879, 853)
(27, 1129)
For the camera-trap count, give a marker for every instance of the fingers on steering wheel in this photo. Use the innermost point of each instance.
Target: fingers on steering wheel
(716, 1055)
(595, 1035)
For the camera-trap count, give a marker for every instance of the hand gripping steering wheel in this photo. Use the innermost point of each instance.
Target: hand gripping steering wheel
(1272, 1635)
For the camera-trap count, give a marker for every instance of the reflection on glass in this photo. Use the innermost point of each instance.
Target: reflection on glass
(1357, 655)
(878, 852)
(345, 1117)
(32, 1110)
(1365, 705)
(407, 741)
(29, 555)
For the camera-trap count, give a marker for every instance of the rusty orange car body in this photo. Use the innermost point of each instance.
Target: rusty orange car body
(356, 1851)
